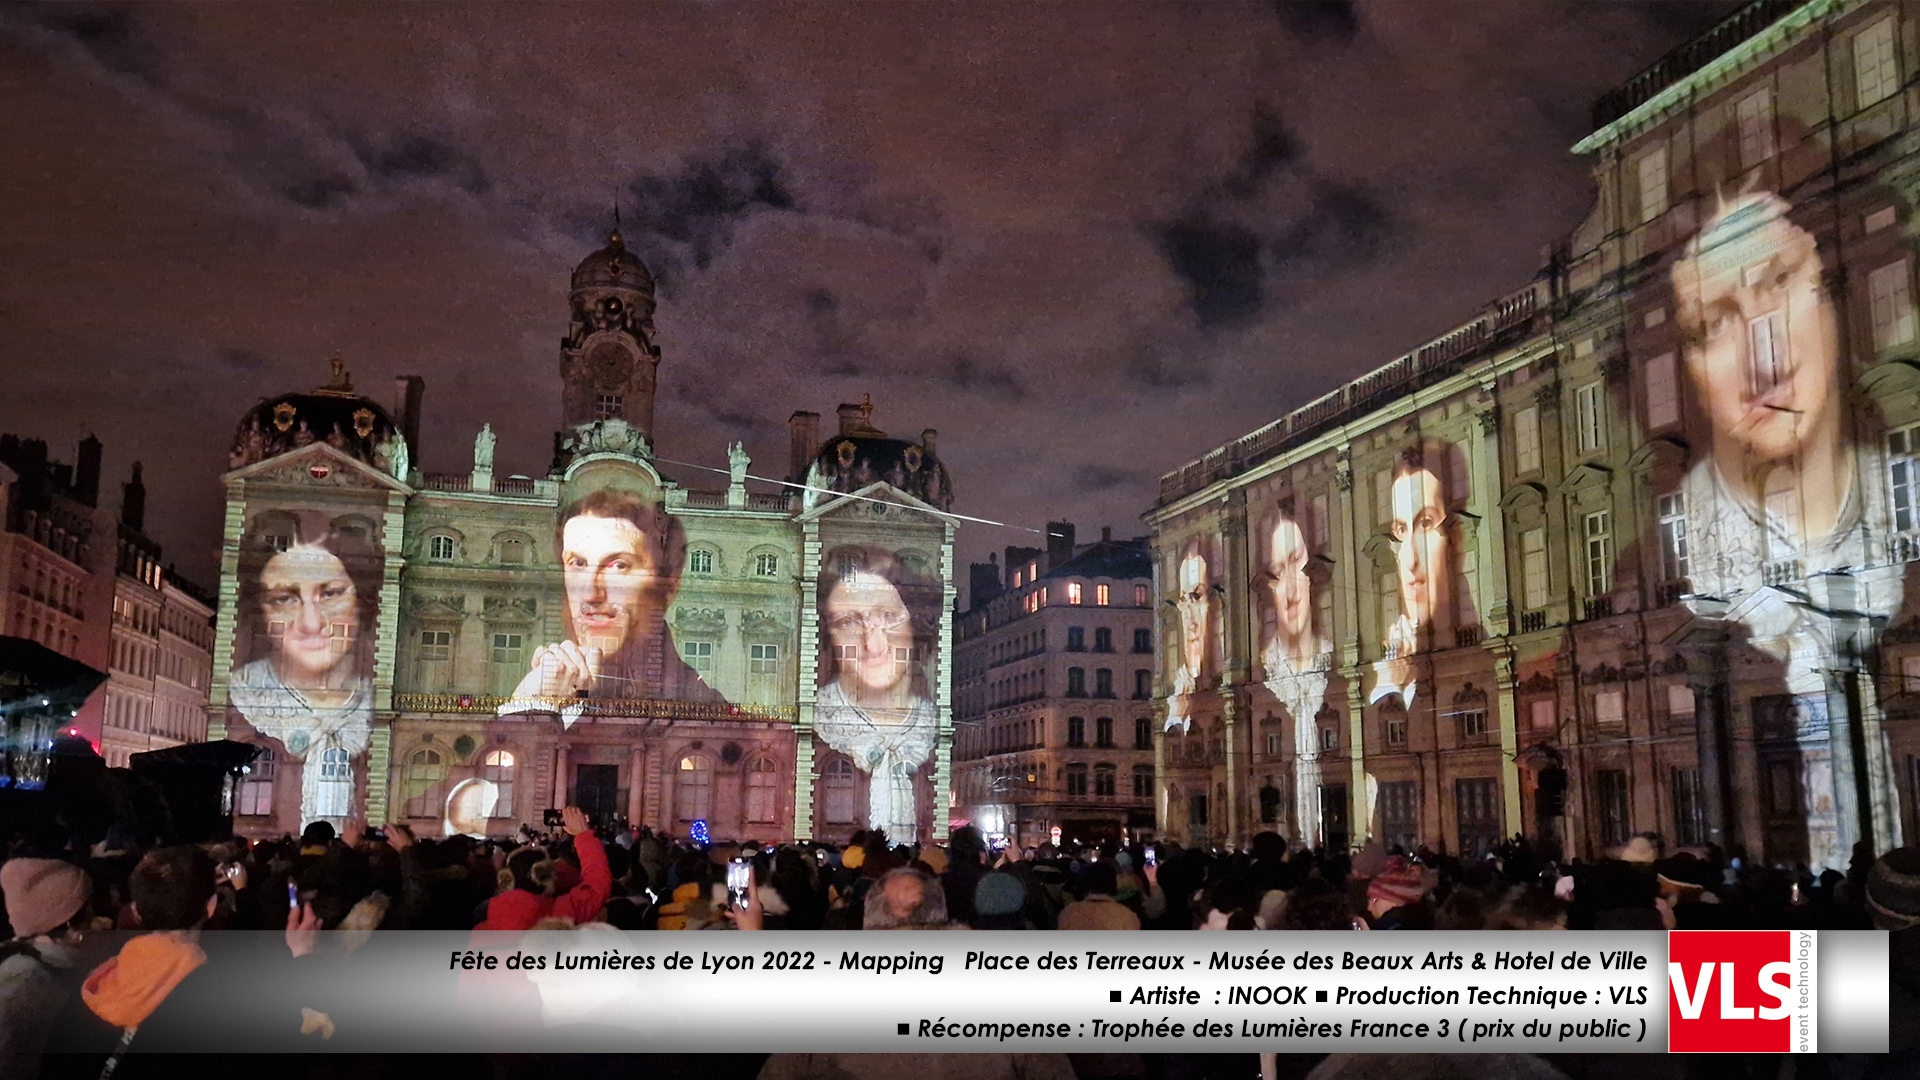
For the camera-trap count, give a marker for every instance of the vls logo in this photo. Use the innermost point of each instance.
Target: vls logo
(1741, 991)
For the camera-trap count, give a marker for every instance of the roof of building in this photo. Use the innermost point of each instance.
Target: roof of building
(1107, 559)
(355, 425)
(613, 266)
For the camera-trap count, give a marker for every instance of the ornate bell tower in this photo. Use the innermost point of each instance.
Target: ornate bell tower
(608, 362)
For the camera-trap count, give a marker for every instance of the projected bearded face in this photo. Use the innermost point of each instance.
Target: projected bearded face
(608, 568)
(1292, 597)
(1419, 524)
(1762, 348)
(866, 622)
(312, 612)
(1195, 606)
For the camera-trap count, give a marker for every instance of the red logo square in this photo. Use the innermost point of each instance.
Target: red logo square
(1730, 991)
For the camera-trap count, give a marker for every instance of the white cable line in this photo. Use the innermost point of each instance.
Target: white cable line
(845, 495)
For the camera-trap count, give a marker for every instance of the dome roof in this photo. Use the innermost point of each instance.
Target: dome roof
(852, 460)
(357, 426)
(613, 266)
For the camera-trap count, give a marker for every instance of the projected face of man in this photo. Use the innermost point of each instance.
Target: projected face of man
(608, 568)
(1195, 606)
(1419, 521)
(866, 623)
(1292, 599)
(1762, 347)
(313, 613)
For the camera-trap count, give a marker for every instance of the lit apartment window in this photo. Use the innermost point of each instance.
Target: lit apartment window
(1073, 593)
(438, 547)
(1680, 701)
(1542, 715)
(1141, 596)
(763, 659)
(766, 564)
(1102, 595)
(1598, 531)
(698, 654)
(1651, 170)
(1673, 536)
(256, 791)
(1610, 708)
(1903, 477)
(609, 407)
(1876, 70)
(700, 561)
(1663, 393)
(1588, 419)
(1891, 300)
(1019, 578)
(1533, 562)
(1755, 116)
(1526, 440)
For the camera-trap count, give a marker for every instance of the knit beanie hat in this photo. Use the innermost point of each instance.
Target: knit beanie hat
(1893, 889)
(42, 894)
(1400, 883)
(999, 894)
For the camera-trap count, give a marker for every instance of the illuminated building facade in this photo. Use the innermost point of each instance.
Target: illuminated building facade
(463, 651)
(1053, 695)
(1631, 551)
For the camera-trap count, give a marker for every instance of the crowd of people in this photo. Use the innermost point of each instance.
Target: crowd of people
(109, 954)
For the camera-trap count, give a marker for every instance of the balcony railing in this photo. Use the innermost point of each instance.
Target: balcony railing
(1669, 593)
(1531, 621)
(620, 708)
(1904, 548)
(1599, 607)
(525, 487)
(1781, 572)
(1466, 637)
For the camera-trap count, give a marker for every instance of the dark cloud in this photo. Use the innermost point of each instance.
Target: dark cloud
(109, 36)
(697, 207)
(1219, 264)
(416, 156)
(1093, 479)
(1319, 20)
(996, 380)
(1161, 369)
(242, 361)
(1346, 224)
(326, 191)
(1270, 148)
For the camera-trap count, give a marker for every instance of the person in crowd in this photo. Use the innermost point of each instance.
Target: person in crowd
(906, 899)
(47, 903)
(999, 903)
(1397, 897)
(533, 896)
(967, 864)
(1096, 909)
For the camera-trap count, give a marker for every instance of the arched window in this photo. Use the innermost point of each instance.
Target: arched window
(440, 548)
(766, 564)
(1103, 780)
(1076, 780)
(425, 770)
(256, 791)
(763, 787)
(498, 768)
(693, 794)
(1103, 732)
(839, 793)
(700, 561)
(335, 796)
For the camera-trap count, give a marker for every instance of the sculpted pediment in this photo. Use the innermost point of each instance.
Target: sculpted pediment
(875, 503)
(430, 605)
(508, 608)
(319, 465)
(700, 620)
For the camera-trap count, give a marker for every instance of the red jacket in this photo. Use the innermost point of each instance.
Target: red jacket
(518, 909)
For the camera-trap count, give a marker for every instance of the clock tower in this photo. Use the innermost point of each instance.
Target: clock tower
(608, 362)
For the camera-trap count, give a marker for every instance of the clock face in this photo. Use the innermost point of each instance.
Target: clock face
(609, 363)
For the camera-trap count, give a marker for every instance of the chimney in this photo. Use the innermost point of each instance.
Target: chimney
(86, 477)
(1106, 534)
(930, 442)
(1017, 560)
(983, 582)
(851, 417)
(133, 502)
(407, 392)
(803, 438)
(1059, 543)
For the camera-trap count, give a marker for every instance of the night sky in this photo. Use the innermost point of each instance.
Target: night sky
(1086, 242)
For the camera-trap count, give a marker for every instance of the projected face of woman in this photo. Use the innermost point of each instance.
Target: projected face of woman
(869, 625)
(1195, 606)
(1292, 596)
(312, 612)
(1419, 520)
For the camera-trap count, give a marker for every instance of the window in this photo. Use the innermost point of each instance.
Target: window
(1610, 709)
(693, 793)
(1076, 731)
(1526, 440)
(1533, 564)
(1103, 595)
(1882, 218)
(1103, 781)
(1615, 821)
(1651, 170)
(1143, 781)
(512, 550)
(1142, 733)
(435, 656)
(1476, 806)
(1781, 793)
(904, 657)
(1663, 394)
(1103, 732)
(1903, 476)
(763, 659)
(1073, 593)
(766, 564)
(1329, 738)
(439, 548)
(1589, 422)
(1473, 725)
(1891, 299)
(1102, 640)
(509, 661)
(1755, 117)
(1076, 780)
(846, 657)
(1076, 682)
(335, 797)
(1142, 683)
(1103, 683)
(1876, 71)
(256, 790)
(1143, 640)
(497, 769)
(1689, 809)
(1076, 639)
(1273, 744)
(1680, 702)
(1019, 578)
(1399, 815)
(698, 654)
(1782, 502)
(1673, 536)
(839, 794)
(700, 561)
(1142, 596)
(609, 407)
(1397, 730)
(1767, 340)
(1542, 715)
(424, 772)
(1598, 531)
(763, 787)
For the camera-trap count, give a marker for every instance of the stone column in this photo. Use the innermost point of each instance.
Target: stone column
(1709, 723)
(559, 776)
(636, 785)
